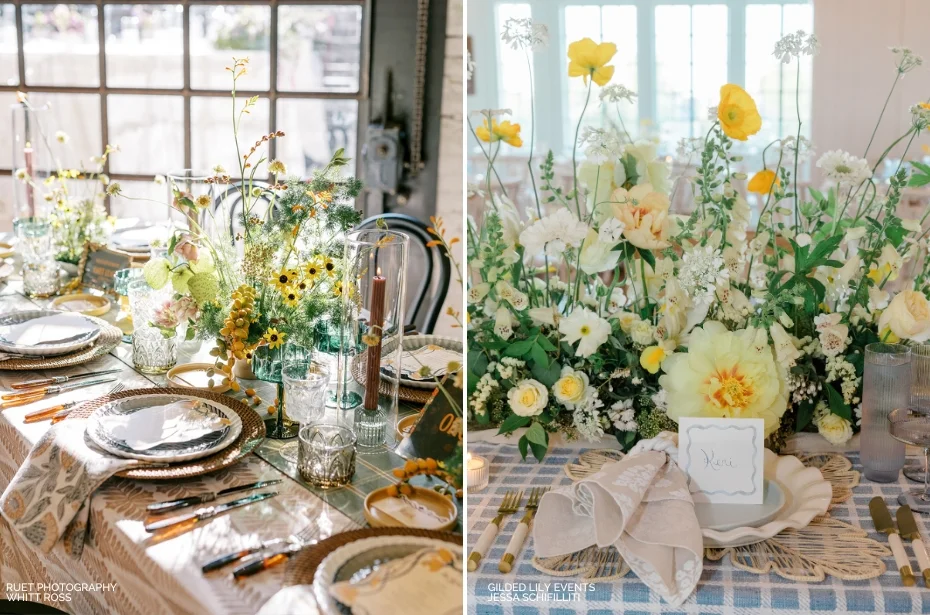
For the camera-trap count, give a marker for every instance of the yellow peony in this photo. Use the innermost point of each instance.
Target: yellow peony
(737, 113)
(589, 59)
(906, 317)
(726, 374)
(762, 182)
(502, 131)
(644, 214)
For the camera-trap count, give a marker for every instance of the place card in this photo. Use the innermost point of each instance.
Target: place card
(723, 458)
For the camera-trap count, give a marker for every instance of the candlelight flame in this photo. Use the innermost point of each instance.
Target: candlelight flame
(379, 270)
(467, 458)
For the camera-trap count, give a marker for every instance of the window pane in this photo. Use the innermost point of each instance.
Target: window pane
(78, 116)
(313, 130)
(145, 45)
(691, 65)
(6, 203)
(319, 48)
(149, 131)
(513, 74)
(61, 44)
(590, 22)
(9, 64)
(212, 132)
(218, 33)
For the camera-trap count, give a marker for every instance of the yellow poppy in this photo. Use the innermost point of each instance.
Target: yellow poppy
(291, 296)
(503, 131)
(589, 59)
(284, 278)
(274, 338)
(652, 357)
(762, 182)
(737, 113)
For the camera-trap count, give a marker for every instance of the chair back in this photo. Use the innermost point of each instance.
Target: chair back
(228, 204)
(428, 269)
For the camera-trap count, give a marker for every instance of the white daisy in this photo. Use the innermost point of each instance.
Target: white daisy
(61, 136)
(553, 234)
(585, 327)
(844, 168)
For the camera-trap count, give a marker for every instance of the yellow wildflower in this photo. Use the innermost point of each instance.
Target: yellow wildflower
(291, 296)
(589, 59)
(203, 200)
(503, 131)
(762, 182)
(285, 278)
(651, 358)
(274, 338)
(276, 167)
(313, 269)
(737, 113)
(328, 265)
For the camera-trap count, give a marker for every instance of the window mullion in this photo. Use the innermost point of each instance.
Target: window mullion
(102, 67)
(186, 63)
(646, 66)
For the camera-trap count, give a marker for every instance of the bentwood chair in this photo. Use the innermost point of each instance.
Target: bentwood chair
(428, 270)
(229, 202)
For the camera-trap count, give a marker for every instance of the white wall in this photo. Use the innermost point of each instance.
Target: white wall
(855, 70)
(449, 193)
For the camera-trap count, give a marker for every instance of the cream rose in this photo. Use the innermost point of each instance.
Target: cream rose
(528, 398)
(644, 214)
(835, 429)
(908, 316)
(571, 388)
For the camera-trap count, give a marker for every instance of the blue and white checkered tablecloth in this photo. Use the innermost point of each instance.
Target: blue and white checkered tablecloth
(723, 589)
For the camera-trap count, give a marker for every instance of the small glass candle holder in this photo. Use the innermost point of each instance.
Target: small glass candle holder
(36, 242)
(326, 457)
(154, 352)
(478, 472)
(305, 385)
(41, 280)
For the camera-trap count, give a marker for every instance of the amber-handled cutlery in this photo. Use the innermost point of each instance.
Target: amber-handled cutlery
(163, 507)
(31, 384)
(264, 561)
(61, 411)
(509, 505)
(191, 519)
(23, 398)
(881, 517)
(235, 556)
(519, 536)
(908, 526)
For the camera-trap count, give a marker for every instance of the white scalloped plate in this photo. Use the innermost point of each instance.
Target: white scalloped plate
(807, 495)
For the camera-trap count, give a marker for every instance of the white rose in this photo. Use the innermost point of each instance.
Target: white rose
(907, 316)
(528, 398)
(835, 429)
(642, 332)
(571, 388)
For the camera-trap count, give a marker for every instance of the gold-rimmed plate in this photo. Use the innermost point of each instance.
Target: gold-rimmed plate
(422, 509)
(195, 376)
(6, 249)
(82, 303)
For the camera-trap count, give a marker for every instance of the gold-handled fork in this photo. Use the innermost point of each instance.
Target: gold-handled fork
(519, 536)
(509, 505)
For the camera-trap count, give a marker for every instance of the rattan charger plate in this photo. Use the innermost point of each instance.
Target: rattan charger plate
(415, 396)
(253, 432)
(110, 337)
(302, 567)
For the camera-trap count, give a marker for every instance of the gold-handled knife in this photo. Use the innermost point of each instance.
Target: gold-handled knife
(908, 526)
(881, 517)
(43, 382)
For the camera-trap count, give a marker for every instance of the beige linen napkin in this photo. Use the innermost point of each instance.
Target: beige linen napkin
(640, 505)
(49, 497)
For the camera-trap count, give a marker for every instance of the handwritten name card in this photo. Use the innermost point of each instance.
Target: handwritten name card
(723, 459)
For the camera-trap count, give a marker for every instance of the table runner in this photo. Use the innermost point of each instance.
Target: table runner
(723, 589)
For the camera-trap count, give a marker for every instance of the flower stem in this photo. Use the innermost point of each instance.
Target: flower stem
(575, 150)
(880, 115)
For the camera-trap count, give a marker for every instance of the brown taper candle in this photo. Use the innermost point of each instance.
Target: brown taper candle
(375, 327)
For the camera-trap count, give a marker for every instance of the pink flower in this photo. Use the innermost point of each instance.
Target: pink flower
(165, 316)
(185, 309)
(186, 248)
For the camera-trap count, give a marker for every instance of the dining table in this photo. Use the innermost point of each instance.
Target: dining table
(122, 570)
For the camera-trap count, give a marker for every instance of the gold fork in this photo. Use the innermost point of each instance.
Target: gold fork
(519, 536)
(510, 505)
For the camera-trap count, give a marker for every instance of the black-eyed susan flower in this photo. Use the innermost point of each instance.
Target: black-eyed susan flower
(274, 338)
(313, 269)
(285, 278)
(328, 265)
(291, 296)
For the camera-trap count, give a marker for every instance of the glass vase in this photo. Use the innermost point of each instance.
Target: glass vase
(267, 365)
(190, 199)
(32, 160)
(372, 319)
(886, 387)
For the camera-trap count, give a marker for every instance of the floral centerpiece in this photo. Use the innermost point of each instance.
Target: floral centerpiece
(599, 312)
(270, 283)
(75, 195)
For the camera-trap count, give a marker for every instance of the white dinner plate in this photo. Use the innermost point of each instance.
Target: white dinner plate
(110, 436)
(139, 239)
(366, 554)
(412, 343)
(723, 517)
(46, 333)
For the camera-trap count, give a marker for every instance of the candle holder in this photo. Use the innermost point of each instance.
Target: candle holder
(478, 473)
(32, 159)
(373, 291)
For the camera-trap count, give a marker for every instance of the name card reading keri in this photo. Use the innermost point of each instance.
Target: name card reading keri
(99, 265)
(723, 458)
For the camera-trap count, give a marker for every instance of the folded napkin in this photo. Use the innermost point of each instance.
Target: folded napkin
(641, 506)
(180, 421)
(49, 497)
(48, 330)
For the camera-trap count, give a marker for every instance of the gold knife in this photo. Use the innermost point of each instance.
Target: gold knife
(909, 531)
(881, 517)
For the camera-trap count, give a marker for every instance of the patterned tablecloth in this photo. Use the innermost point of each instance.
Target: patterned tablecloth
(723, 589)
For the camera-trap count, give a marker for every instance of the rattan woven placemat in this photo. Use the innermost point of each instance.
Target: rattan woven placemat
(416, 396)
(253, 432)
(302, 567)
(110, 338)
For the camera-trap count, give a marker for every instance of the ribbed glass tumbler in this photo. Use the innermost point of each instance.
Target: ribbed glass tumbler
(886, 387)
